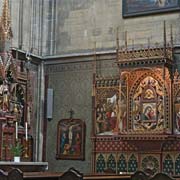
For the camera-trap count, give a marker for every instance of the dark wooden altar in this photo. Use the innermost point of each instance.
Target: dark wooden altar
(24, 166)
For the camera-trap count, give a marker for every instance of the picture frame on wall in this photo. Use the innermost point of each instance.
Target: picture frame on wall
(71, 139)
(132, 8)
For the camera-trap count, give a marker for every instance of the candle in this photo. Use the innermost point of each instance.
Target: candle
(16, 130)
(26, 131)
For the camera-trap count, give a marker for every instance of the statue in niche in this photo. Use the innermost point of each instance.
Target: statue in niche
(4, 96)
(17, 102)
(101, 119)
(12, 99)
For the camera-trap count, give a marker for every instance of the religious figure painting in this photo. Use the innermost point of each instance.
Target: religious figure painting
(144, 7)
(177, 118)
(149, 112)
(70, 139)
(110, 114)
(148, 105)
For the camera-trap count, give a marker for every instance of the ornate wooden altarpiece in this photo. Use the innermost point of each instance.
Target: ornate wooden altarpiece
(136, 116)
(13, 95)
(13, 112)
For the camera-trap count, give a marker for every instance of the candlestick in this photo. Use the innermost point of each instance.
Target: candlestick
(16, 130)
(26, 131)
(26, 149)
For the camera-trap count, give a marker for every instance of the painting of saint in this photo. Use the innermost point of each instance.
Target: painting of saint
(149, 111)
(141, 7)
(110, 115)
(63, 141)
(177, 118)
(106, 116)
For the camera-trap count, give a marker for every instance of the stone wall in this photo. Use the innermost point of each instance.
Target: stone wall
(80, 24)
(67, 27)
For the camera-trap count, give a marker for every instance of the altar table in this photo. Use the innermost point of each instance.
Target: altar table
(24, 166)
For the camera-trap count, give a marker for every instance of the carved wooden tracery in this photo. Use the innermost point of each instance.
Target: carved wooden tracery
(176, 102)
(149, 87)
(148, 97)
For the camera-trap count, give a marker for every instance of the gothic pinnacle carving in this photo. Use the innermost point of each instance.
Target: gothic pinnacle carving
(6, 31)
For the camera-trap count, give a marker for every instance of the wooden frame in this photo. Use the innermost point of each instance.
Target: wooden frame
(145, 7)
(70, 139)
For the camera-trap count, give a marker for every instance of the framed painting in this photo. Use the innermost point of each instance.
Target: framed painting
(177, 118)
(144, 7)
(70, 139)
(149, 112)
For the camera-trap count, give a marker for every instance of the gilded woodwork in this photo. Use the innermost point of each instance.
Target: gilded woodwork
(144, 53)
(147, 97)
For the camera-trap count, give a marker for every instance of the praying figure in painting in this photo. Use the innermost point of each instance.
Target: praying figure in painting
(63, 141)
(77, 145)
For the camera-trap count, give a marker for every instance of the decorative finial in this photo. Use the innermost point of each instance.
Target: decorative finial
(165, 39)
(6, 21)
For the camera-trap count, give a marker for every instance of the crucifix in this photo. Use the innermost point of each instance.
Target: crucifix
(71, 113)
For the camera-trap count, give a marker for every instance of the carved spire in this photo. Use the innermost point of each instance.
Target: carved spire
(6, 31)
(5, 39)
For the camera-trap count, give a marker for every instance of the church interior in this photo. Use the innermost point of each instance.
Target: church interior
(90, 89)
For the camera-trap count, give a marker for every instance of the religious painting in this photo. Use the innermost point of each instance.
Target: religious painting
(147, 104)
(110, 111)
(106, 116)
(70, 139)
(149, 111)
(144, 7)
(177, 118)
